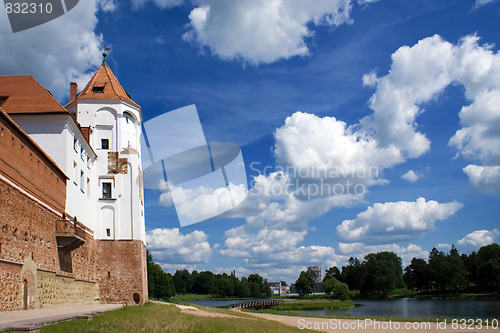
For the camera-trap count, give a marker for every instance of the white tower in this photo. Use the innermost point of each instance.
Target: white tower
(115, 123)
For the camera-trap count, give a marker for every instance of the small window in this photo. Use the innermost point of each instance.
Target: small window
(104, 143)
(106, 190)
(108, 232)
(76, 172)
(82, 182)
(98, 87)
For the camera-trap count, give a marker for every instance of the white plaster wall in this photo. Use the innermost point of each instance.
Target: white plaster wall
(108, 119)
(55, 135)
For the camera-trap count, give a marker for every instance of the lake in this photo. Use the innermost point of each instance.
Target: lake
(419, 308)
(402, 307)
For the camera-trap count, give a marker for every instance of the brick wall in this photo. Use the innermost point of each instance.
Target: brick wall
(10, 286)
(26, 227)
(26, 165)
(32, 201)
(122, 271)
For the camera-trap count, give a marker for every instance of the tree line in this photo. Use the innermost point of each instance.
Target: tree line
(162, 285)
(382, 273)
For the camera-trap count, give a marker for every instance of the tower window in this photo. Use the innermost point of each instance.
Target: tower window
(108, 232)
(98, 87)
(106, 190)
(104, 143)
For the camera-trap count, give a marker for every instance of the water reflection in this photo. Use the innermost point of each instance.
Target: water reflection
(402, 307)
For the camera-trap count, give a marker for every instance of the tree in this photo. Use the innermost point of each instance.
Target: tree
(243, 288)
(332, 272)
(341, 291)
(383, 273)
(182, 281)
(352, 274)
(437, 268)
(489, 267)
(259, 286)
(471, 264)
(336, 288)
(415, 275)
(204, 283)
(160, 284)
(456, 272)
(304, 283)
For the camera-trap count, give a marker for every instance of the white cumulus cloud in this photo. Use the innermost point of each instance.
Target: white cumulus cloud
(411, 176)
(270, 249)
(262, 31)
(484, 179)
(63, 50)
(169, 246)
(393, 222)
(474, 240)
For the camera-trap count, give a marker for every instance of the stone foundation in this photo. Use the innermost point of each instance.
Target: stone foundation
(56, 290)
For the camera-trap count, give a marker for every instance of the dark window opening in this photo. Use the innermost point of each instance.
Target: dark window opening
(98, 87)
(104, 143)
(109, 275)
(106, 190)
(108, 232)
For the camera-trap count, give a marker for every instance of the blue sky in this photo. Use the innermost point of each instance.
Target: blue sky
(409, 88)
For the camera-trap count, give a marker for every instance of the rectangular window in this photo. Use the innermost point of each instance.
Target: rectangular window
(104, 143)
(82, 181)
(108, 232)
(76, 173)
(106, 190)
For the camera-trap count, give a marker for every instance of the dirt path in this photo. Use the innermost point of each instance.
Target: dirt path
(197, 312)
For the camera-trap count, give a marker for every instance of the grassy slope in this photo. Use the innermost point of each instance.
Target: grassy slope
(164, 318)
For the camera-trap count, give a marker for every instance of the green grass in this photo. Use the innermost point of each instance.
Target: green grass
(313, 305)
(187, 298)
(166, 318)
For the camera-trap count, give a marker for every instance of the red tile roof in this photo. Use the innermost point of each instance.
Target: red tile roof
(23, 94)
(105, 85)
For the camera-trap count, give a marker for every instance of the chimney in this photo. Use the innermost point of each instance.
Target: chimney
(73, 89)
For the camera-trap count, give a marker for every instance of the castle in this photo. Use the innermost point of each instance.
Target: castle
(71, 196)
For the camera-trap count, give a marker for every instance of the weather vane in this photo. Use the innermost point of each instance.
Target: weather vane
(106, 51)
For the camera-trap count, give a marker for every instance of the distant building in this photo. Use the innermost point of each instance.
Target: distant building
(315, 272)
(279, 288)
